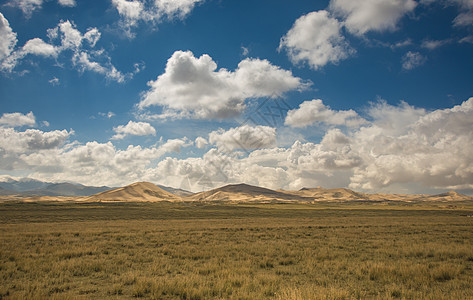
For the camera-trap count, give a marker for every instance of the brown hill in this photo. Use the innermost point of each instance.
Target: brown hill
(245, 193)
(139, 191)
(339, 194)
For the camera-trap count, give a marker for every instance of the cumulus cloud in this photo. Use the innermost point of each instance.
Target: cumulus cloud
(316, 38)
(244, 137)
(361, 17)
(37, 46)
(49, 156)
(412, 60)
(155, 11)
(401, 147)
(31, 139)
(193, 87)
(17, 119)
(7, 38)
(201, 142)
(65, 38)
(312, 112)
(133, 128)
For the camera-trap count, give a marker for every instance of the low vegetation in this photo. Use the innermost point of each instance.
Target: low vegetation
(235, 251)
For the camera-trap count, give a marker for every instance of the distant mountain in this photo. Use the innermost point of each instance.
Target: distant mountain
(140, 191)
(22, 185)
(67, 189)
(4, 192)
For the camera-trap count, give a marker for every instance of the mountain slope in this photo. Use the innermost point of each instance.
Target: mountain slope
(139, 191)
(177, 192)
(244, 193)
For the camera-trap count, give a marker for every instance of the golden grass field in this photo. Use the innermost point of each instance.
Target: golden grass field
(235, 251)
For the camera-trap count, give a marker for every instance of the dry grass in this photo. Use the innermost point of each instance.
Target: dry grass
(179, 251)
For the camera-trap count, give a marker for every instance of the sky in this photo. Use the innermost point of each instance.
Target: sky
(372, 95)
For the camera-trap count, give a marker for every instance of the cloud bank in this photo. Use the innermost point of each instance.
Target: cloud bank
(395, 149)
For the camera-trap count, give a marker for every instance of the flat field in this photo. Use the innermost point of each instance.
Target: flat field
(235, 251)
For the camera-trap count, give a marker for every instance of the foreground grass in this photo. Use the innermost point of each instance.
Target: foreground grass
(183, 251)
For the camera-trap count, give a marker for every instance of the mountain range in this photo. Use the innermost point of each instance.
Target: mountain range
(149, 192)
(33, 187)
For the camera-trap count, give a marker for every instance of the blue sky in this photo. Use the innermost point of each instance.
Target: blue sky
(372, 95)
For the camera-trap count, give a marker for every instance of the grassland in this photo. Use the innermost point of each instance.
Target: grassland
(221, 251)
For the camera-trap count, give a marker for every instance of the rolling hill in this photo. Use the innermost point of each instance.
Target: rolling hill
(139, 191)
(245, 193)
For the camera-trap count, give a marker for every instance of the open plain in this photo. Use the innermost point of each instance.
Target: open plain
(194, 250)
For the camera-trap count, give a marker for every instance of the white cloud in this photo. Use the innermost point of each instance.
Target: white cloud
(37, 46)
(371, 15)
(31, 139)
(67, 3)
(54, 81)
(412, 60)
(244, 137)
(133, 128)
(312, 112)
(316, 38)
(17, 119)
(201, 142)
(434, 44)
(465, 17)
(430, 149)
(7, 39)
(193, 87)
(27, 6)
(30, 6)
(154, 11)
(108, 115)
(83, 61)
(64, 38)
(403, 147)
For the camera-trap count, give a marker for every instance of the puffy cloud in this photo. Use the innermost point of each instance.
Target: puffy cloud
(371, 15)
(244, 137)
(37, 46)
(428, 148)
(193, 87)
(316, 38)
(66, 37)
(133, 128)
(403, 147)
(7, 38)
(201, 142)
(312, 112)
(154, 11)
(412, 60)
(31, 139)
(17, 119)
